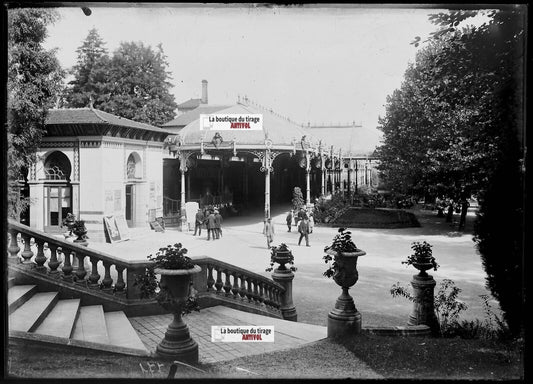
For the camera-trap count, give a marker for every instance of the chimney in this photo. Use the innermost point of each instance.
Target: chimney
(204, 91)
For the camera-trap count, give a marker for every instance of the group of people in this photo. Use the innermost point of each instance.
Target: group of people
(212, 219)
(303, 220)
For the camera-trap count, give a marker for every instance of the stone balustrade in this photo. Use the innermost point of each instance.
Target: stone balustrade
(238, 285)
(53, 256)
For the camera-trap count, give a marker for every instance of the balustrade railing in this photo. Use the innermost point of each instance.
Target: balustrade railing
(238, 284)
(54, 256)
(51, 256)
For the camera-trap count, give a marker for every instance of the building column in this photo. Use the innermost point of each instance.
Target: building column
(307, 178)
(183, 169)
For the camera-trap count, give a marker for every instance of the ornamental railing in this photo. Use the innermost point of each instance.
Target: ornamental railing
(227, 284)
(54, 257)
(170, 206)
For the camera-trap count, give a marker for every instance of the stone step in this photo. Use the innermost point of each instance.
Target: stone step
(10, 282)
(91, 325)
(18, 295)
(31, 314)
(60, 321)
(121, 332)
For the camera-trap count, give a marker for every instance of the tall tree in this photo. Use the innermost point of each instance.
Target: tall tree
(90, 73)
(34, 80)
(455, 128)
(133, 83)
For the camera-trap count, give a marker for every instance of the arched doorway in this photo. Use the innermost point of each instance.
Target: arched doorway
(57, 191)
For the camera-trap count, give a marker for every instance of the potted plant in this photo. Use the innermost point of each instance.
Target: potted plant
(68, 222)
(281, 255)
(173, 293)
(78, 228)
(344, 253)
(344, 318)
(422, 258)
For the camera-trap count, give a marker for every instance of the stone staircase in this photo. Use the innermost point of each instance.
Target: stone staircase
(42, 316)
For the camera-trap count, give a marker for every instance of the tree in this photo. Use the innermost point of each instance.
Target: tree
(34, 80)
(455, 128)
(297, 199)
(133, 83)
(90, 73)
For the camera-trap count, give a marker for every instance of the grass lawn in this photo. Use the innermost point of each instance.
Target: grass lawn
(363, 356)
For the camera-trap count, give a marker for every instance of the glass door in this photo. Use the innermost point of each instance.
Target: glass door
(58, 203)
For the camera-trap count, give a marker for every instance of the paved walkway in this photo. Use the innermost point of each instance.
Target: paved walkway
(287, 334)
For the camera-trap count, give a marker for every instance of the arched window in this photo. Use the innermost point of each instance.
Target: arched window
(57, 167)
(134, 166)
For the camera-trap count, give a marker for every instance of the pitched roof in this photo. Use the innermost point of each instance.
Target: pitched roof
(190, 116)
(88, 121)
(191, 103)
(353, 140)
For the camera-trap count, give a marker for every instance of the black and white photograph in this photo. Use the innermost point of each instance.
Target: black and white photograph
(264, 191)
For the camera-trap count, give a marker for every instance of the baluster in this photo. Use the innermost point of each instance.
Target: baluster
(227, 284)
(277, 295)
(256, 293)
(53, 263)
(262, 294)
(249, 292)
(120, 284)
(40, 258)
(67, 267)
(242, 290)
(210, 280)
(219, 284)
(267, 295)
(80, 272)
(27, 254)
(107, 281)
(13, 248)
(94, 277)
(235, 288)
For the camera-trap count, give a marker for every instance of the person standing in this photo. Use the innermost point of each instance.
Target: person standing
(218, 224)
(289, 220)
(311, 222)
(211, 228)
(268, 231)
(303, 228)
(199, 221)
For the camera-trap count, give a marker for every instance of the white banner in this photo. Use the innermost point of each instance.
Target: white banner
(242, 333)
(231, 122)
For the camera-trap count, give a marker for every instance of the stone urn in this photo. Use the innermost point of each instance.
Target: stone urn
(344, 318)
(177, 343)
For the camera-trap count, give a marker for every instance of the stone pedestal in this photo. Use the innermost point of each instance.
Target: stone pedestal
(423, 305)
(285, 277)
(178, 344)
(344, 318)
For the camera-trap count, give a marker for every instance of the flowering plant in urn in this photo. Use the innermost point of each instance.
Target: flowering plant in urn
(342, 244)
(422, 258)
(282, 255)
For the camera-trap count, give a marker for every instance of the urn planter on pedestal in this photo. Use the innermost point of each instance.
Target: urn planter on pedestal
(344, 319)
(177, 343)
(282, 255)
(174, 295)
(423, 284)
(78, 228)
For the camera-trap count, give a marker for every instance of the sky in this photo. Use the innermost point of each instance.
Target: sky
(323, 65)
